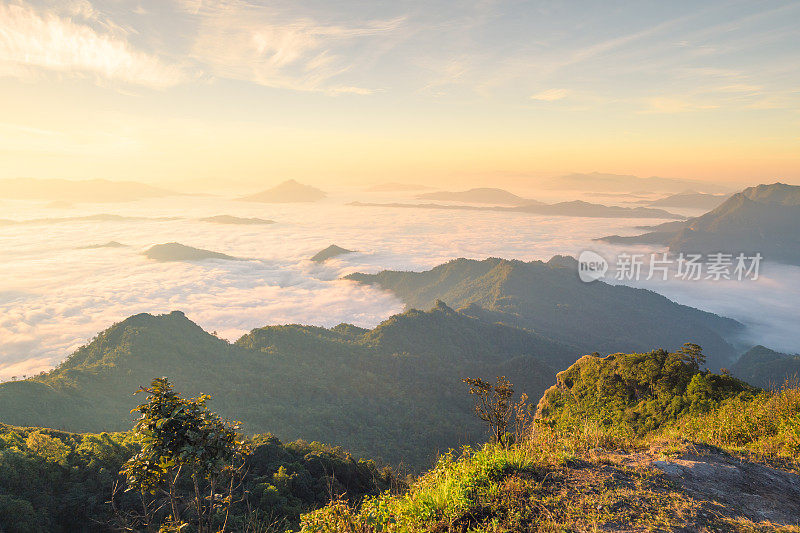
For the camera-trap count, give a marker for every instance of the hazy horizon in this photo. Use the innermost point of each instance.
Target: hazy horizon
(545, 184)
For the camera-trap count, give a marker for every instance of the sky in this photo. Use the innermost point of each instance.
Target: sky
(199, 94)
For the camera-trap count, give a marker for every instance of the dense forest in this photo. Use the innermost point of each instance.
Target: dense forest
(392, 393)
(53, 481)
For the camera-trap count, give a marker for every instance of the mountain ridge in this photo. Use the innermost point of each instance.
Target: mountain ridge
(392, 392)
(761, 219)
(549, 297)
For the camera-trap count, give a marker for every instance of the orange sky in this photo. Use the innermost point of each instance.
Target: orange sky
(196, 94)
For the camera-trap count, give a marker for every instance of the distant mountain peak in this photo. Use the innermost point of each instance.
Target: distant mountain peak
(175, 251)
(774, 193)
(480, 195)
(329, 252)
(761, 219)
(289, 191)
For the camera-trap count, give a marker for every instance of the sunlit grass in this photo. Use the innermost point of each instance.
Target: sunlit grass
(564, 477)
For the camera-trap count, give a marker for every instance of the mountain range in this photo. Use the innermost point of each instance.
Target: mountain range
(691, 200)
(576, 208)
(392, 392)
(550, 299)
(763, 219)
(604, 182)
(175, 251)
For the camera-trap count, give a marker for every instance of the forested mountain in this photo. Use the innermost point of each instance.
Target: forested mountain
(550, 299)
(393, 393)
(767, 368)
(761, 219)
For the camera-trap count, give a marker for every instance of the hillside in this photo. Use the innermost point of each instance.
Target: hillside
(482, 195)
(767, 368)
(289, 191)
(393, 393)
(639, 392)
(550, 299)
(723, 458)
(759, 219)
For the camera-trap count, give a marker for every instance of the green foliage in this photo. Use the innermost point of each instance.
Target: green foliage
(57, 482)
(392, 393)
(641, 392)
(49, 448)
(181, 442)
(18, 516)
(40, 495)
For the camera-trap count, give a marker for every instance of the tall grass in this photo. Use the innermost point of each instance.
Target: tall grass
(453, 488)
(767, 425)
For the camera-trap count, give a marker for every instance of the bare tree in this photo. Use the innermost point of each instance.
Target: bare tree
(493, 405)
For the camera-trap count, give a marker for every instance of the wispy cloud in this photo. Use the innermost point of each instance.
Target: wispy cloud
(35, 41)
(238, 40)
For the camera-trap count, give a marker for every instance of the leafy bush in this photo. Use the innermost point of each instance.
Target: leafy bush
(639, 392)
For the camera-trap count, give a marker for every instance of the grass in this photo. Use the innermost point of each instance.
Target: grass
(581, 475)
(766, 427)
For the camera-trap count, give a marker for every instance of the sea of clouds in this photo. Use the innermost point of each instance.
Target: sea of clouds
(56, 295)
